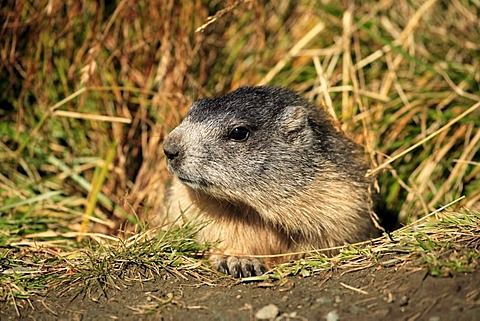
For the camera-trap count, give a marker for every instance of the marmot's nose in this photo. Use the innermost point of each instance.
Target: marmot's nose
(171, 154)
(170, 150)
(171, 146)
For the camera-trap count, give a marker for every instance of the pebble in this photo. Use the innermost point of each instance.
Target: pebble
(323, 300)
(403, 301)
(332, 316)
(267, 312)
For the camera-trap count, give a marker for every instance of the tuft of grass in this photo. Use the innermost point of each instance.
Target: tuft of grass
(446, 245)
(449, 244)
(93, 267)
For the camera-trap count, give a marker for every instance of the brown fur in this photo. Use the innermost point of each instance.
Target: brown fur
(240, 230)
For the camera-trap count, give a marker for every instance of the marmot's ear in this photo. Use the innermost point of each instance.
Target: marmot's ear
(294, 119)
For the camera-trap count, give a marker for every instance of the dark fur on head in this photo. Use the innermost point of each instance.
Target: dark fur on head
(290, 141)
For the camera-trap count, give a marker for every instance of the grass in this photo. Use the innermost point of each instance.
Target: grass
(88, 92)
(447, 245)
(94, 267)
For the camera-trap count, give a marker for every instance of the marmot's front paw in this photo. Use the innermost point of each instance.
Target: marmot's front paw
(238, 267)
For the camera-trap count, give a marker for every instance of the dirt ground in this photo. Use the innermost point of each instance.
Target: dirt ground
(405, 293)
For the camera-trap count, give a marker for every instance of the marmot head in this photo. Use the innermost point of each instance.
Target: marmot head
(261, 143)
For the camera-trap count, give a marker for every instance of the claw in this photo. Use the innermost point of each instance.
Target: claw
(221, 264)
(258, 267)
(238, 267)
(234, 267)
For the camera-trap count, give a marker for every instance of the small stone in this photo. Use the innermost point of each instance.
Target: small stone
(267, 312)
(403, 301)
(324, 300)
(434, 318)
(332, 316)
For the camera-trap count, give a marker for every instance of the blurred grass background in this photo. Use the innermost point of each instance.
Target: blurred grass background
(88, 91)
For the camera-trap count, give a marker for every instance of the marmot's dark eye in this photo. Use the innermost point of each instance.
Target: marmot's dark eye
(239, 134)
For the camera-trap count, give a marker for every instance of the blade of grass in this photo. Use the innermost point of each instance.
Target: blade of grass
(31, 200)
(97, 184)
(76, 115)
